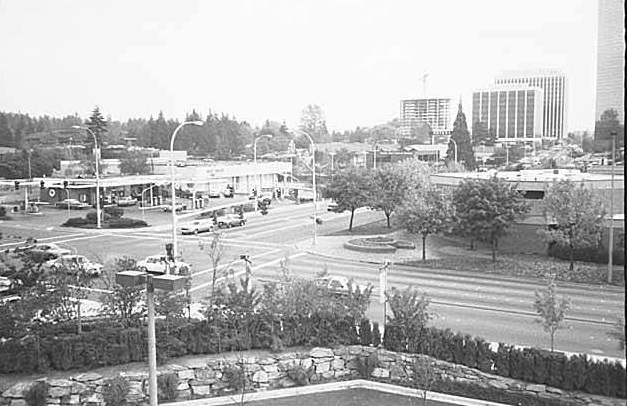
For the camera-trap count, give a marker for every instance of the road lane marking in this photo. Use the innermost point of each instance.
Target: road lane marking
(44, 239)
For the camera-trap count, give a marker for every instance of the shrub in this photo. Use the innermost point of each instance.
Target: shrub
(365, 332)
(367, 364)
(167, 384)
(3, 211)
(75, 222)
(235, 377)
(126, 223)
(300, 375)
(115, 391)
(36, 394)
(114, 212)
(376, 334)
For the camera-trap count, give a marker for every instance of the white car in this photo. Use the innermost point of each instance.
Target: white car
(73, 263)
(230, 220)
(336, 284)
(127, 201)
(5, 284)
(197, 226)
(159, 264)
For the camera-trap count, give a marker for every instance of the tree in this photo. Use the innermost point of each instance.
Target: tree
(215, 250)
(481, 135)
(410, 310)
(575, 214)
(350, 189)
(428, 213)
(551, 309)
(134, 163)
(461, 136)
(486, 209)
(608, 123)
(98, 125)
(313, 122)
(6, 135)
(388, 191)
(123, 303)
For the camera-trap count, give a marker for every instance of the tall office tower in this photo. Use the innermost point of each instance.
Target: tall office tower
(434, 111)
(611, 58)
(513, 112)
(554, 86)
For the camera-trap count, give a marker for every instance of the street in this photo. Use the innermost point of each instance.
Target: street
(496, 308)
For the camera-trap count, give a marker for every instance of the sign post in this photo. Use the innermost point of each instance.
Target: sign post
(383, 282)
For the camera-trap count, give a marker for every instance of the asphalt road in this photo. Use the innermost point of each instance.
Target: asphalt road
(496, 308)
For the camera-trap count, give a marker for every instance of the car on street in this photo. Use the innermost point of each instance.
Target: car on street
(5, 284)
(160, 264)
(263, 198)
(197, 226)
(73, 263)
(126, 201)
(230, 220)
(72, 204)
(177, 207)
(335, 284)
(47, 250)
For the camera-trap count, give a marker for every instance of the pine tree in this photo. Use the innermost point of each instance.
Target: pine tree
(6, 136)
(98, 125)
(461, 136)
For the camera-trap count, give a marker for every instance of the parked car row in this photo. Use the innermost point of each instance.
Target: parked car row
(58, 258)
(210, 225)
(160, 264)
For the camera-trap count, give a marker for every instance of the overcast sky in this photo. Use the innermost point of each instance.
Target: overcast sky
(268, 59)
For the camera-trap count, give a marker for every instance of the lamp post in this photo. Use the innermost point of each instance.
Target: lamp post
(174, 242)
(374, 156)
(332, 155)
(313, 170)
(455, 145)
(97, 157)
(255, 162)
(610, 260)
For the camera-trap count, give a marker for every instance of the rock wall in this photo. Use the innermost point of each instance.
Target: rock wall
(208, 376)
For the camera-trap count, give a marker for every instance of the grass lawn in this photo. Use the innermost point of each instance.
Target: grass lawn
(453, 253)
(347, 397)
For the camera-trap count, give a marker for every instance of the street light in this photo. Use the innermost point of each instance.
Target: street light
(374, 157)
(98, 224)
(255, 162)
(174, 242)
(313, 170)
(455, 145)
(610, 260)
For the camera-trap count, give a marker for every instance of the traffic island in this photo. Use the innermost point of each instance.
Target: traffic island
(378, 245)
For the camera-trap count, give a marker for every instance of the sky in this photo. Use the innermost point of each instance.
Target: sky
(268, 59)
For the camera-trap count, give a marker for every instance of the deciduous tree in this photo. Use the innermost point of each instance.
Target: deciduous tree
(134, 163)
(551, 309)
(575, 214)
(485, 210)
(350, 189)
(389, 189)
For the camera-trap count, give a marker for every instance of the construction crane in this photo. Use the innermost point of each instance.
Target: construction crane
(424, 83)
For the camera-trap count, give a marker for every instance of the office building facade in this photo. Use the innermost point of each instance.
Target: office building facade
(434, 111)
(611, 58)
(554, 85)
(513, 112)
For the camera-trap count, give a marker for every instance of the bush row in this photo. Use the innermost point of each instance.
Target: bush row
(590, 254)
(528, 364)
(111, 223)
(106, 344)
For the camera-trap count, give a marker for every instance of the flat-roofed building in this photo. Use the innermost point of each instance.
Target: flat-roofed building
(435, 111)
(554, 85)
(513, 112)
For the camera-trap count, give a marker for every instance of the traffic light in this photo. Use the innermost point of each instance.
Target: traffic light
(65, 184)
(17, 185)
(169, 251)
(42, 184)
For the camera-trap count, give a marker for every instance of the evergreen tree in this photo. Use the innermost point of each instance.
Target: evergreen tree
(482, 135)
(608, 123)
(6, 135)
(461, 136)
(98, 125)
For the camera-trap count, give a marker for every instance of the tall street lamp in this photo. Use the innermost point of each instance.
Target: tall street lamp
(374, 157)
(98, 221)
(455, 145)
(255, 162)
(313, 170)
(610, 260)
(174, 242)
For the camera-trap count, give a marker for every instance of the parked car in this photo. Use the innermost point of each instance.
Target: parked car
(73, 204)
(213, 194)
(160, 264)
(230, 220)
(263, 198)
(197, 226)
(127, 201)
(177, 206)
(5, 284)
(73, 263)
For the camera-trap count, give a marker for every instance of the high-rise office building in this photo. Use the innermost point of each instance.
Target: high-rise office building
(513, 112)
(611, 58)
(554, 86)
(434, 111)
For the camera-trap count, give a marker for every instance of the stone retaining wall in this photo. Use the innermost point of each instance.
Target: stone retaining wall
(202, 377)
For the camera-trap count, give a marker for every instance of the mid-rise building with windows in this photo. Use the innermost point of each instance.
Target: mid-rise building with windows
(434, 111)
(512, 112)
(554, 85)
(611, 58)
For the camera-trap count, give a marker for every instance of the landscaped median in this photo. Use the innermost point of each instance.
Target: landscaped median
(233, 374)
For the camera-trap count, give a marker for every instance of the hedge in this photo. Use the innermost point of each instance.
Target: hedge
(526, 364)
(590, 254)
